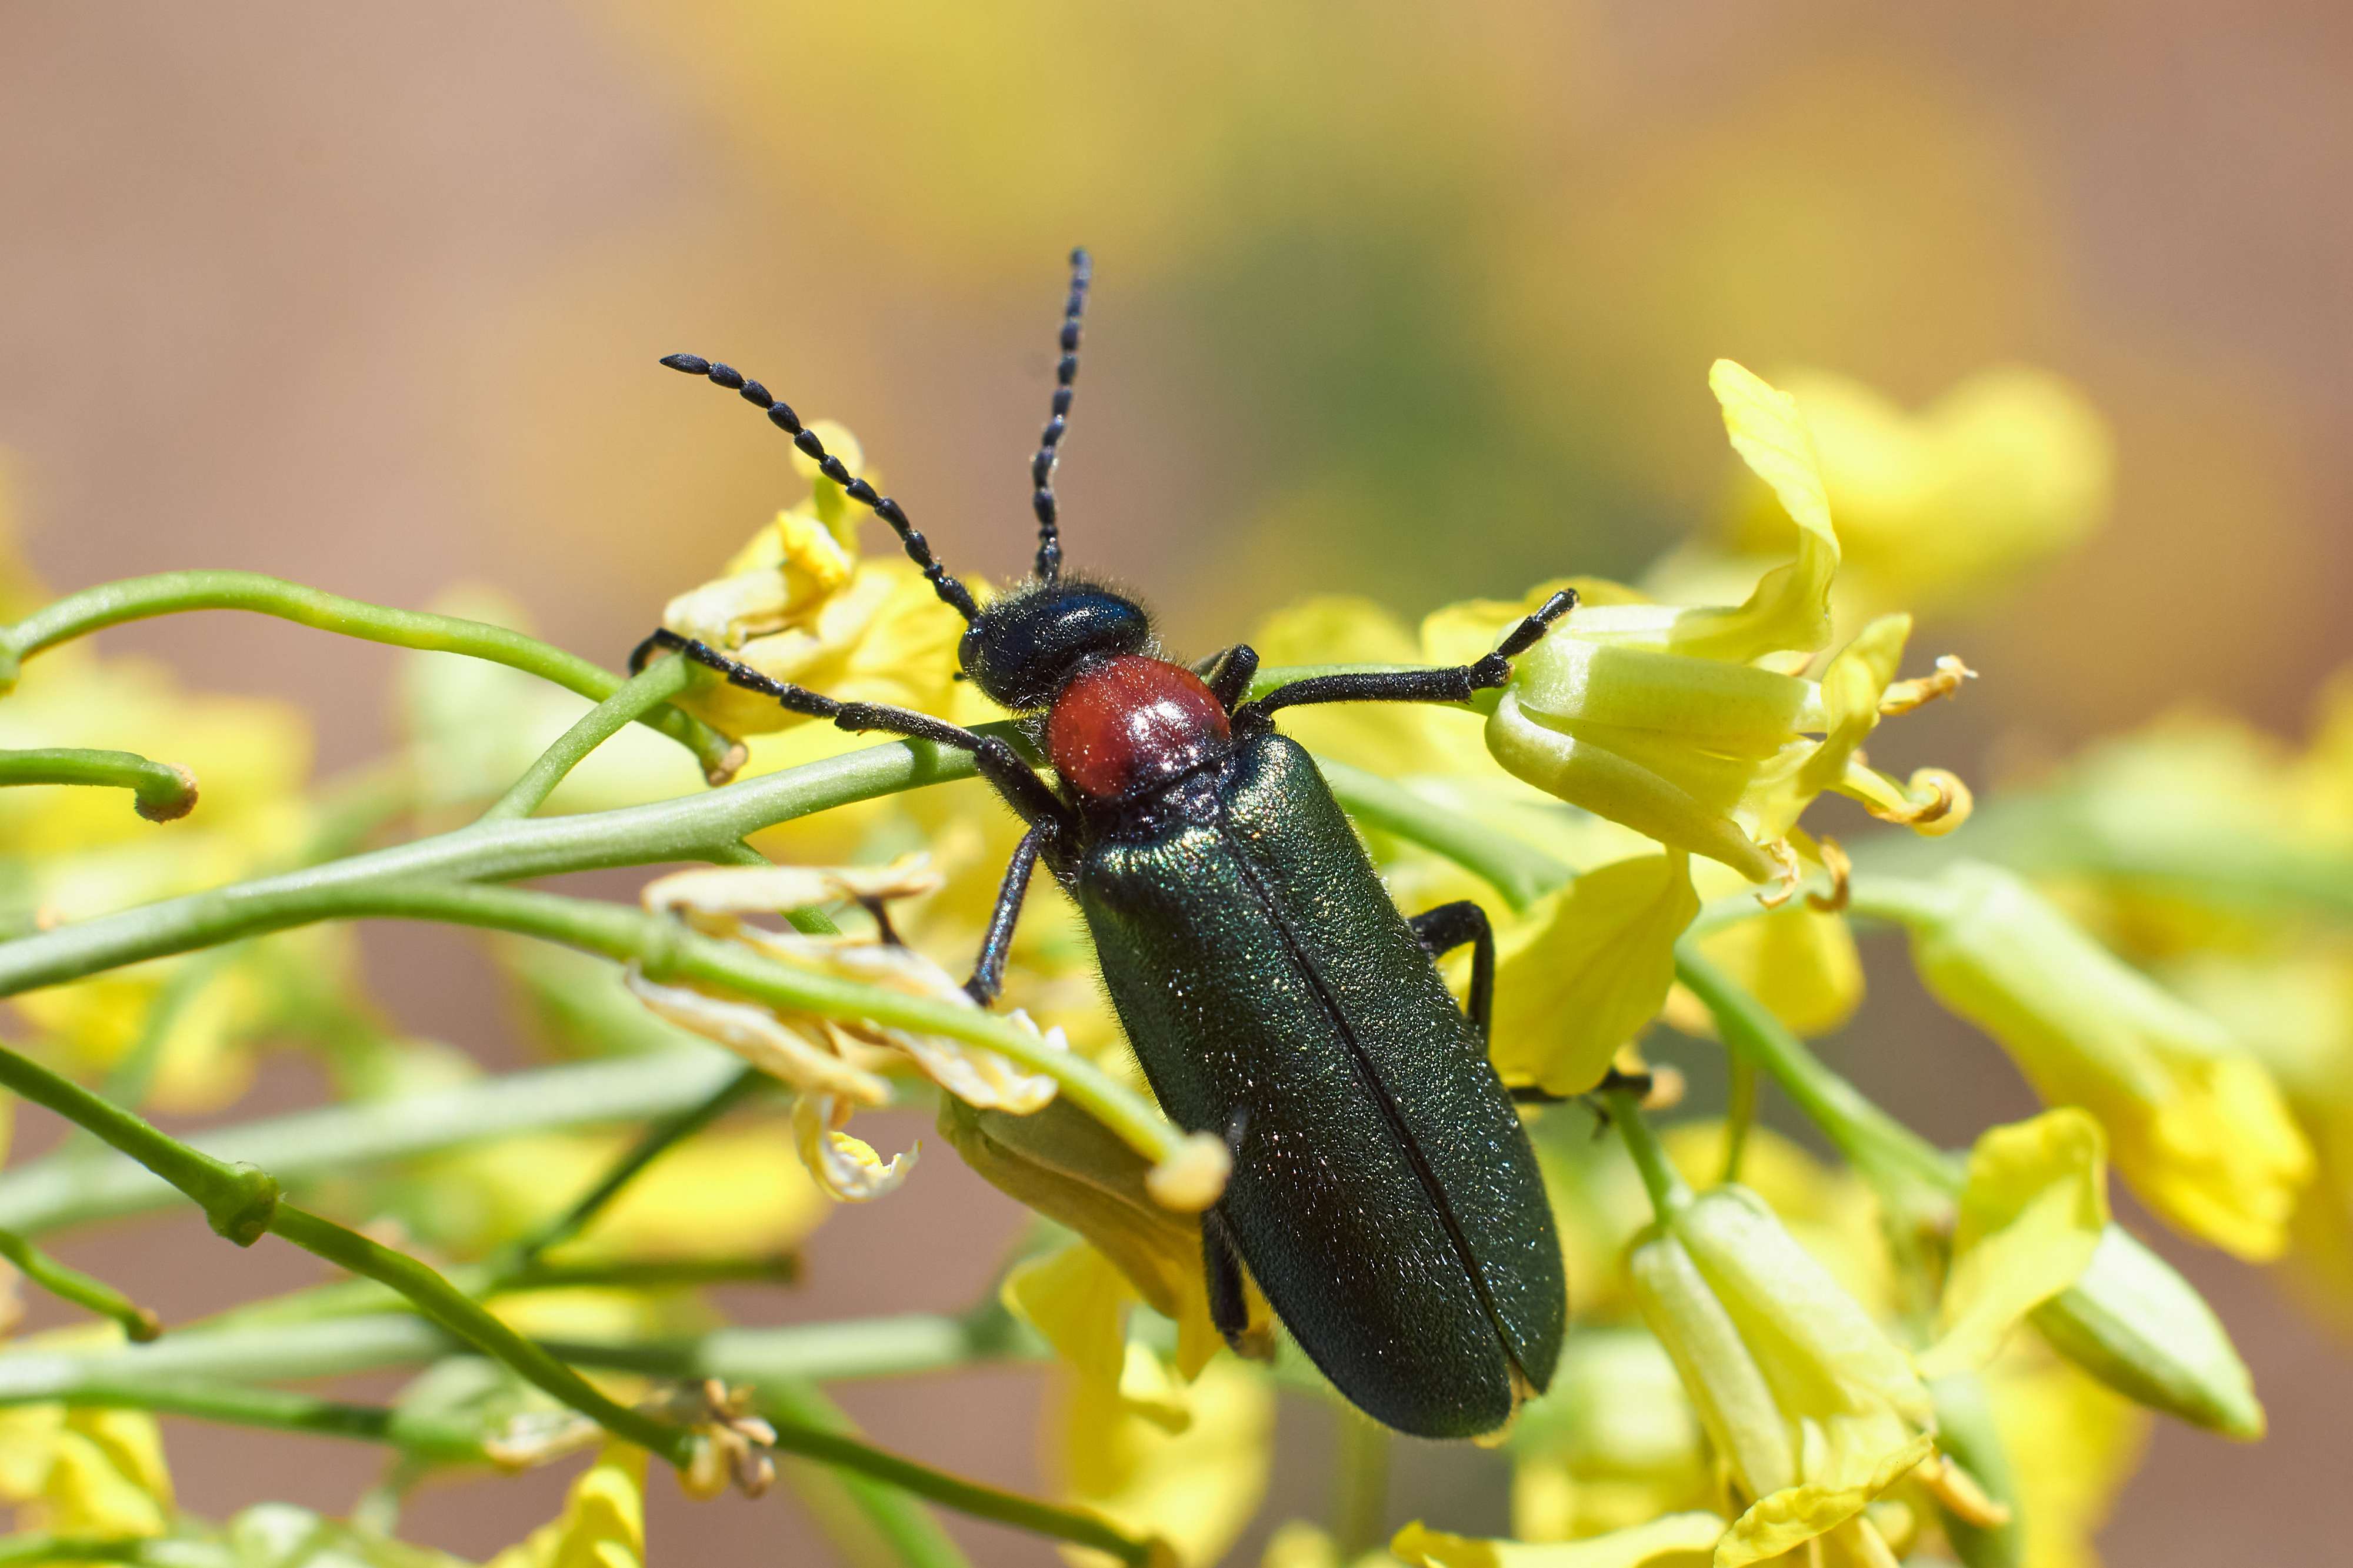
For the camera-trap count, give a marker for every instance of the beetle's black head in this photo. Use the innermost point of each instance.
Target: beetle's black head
(1022, 648)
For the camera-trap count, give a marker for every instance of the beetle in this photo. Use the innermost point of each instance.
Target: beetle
(1384, 1195)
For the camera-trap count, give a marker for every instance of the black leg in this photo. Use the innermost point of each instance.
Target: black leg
(1222, 1269)
(1230, 673)
(989, 969)
(1448, 927)
(998, 762)
(1454, 685)
(1639, 1082)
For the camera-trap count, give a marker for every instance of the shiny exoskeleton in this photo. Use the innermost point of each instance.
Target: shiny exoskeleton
(1383, 1196)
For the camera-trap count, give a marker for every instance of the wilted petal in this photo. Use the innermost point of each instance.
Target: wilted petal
(847, 1168)
(761, 1038)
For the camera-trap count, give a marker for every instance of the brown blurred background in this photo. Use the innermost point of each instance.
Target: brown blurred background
(1411, 300)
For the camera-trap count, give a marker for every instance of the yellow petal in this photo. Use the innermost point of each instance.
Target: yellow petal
(1078, 1302)
(761, 1038)
(1799, 961)
(603, 1524)
(1786, 1519)
(1586, 970)
(1194, 1489)
(2031, 1217)
(1677, 1538)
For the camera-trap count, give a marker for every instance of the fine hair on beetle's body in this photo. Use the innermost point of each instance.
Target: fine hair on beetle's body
(1383, 1196)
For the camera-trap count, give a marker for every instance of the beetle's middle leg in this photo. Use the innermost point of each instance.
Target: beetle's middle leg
(989, 969)
(1448, 927)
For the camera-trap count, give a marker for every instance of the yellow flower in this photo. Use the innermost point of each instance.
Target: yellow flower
(603, 1524)
(1815, 1411)
(1691, 725)
(1614, 1442)
(2071, 1446)
(798, 603)
(1185, 1463)
(1939, 509)
(2195, 1123)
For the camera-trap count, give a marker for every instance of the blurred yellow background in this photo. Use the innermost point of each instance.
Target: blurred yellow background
(1415, 301)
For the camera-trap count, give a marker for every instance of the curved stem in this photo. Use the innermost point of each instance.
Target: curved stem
(708, 827)
(173, 593)
(649, 689)
(905, 1525)
(241, 1405)
(71, 1284)
(1518, 870)
(1659, 1178)
(161, 791)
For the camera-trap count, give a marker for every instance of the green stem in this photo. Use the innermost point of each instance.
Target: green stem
(161, 791)
(171, 593)
(451, 1310)
(1660, 1177)
(641, 694)
(1739, 1112)
(239, 1404)
(61, 1190)
(657, 1141)
(237, 1199)
(904, 1525)
(128, 1080)
(1517, 869)
(1872, 1141)
(708, 827)
(1360, 1506)
(71, 1284)
(667, 952)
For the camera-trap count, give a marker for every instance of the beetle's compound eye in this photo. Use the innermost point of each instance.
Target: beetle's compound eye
(1022, 648)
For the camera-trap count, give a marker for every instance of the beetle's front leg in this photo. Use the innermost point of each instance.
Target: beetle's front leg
(1455, 684)
(988, 979)
(998, 762)
(1446, 927)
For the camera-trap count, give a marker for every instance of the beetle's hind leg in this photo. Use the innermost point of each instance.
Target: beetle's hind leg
(1446, 927)
(998, 762)
(1248, 1335)
(989, 969)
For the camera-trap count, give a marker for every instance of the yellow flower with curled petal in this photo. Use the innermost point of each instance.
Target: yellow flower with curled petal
(2006, 471)
(837, 1063)
(800, 603)
(2195, 1123)
(1691, 725)
(1812, 1408)
(603, 1524)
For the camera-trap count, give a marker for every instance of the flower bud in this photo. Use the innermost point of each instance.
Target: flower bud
(2132, 1322)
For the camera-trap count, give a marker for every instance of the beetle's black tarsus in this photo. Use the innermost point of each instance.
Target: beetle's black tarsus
(998, 762)
(1448, 927)
(1230, 673)
(988, 979)
(1041, 467)
(780, 414)
(879, 910)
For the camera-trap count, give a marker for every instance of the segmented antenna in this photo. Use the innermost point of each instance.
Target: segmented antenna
(1041, 467)
(918, 549)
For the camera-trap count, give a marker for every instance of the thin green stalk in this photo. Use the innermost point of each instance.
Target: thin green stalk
(62, 1190)
(708, 827)
(1660, 1177)
(667, 952)
(1739, 1113)
(239, 1404)
(654, 1273)
(172, 593)
(161, 791)
(44, 1546)
(904, 1526)
(1517, 869)
(452, 1310)
(641, 694)
(70, 1284)
(1032, 1514)
(1360, 1503)
(657, 1141)
(1872, 1141)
